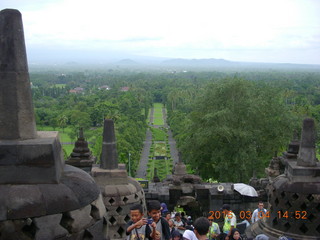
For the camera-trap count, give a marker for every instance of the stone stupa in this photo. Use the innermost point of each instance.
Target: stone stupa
(119, 191)
(40, 196)
(294, 202)
(81, 155)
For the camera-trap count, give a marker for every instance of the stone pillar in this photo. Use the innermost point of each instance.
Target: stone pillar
(109, 155)
(307, 152)
(16, 108)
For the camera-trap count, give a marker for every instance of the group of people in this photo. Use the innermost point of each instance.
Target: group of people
(164, 225)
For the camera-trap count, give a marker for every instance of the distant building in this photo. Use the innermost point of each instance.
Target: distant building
(124, 89)
(104, 87)
(76, 90)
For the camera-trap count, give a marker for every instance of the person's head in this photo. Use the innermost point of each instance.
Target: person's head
(171, 223)
(235, 234)
(176, 235)
(226, 208)
(168, 216)
(164, 208)
(260, 205)
(177, 216)
(201, 226)
(154, 210)
(136, 213)
(182, 214)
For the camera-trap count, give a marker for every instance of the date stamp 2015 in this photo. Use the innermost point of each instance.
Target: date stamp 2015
(248, 215)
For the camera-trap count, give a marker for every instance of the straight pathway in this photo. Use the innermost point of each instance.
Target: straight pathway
(173, 148)
(142, 169)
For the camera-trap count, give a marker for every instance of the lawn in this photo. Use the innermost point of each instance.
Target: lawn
(157, 114)
(64, 137)
(60, 85)
(158, 134)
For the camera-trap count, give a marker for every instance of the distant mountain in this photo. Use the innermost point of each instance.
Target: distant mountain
(217, 63)
(127, 61)
(209, 61)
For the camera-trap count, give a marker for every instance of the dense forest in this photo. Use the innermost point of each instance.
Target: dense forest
(227, 124)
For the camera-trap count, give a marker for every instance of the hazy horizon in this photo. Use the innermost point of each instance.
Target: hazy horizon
(286, 31)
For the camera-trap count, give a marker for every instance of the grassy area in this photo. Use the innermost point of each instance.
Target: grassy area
(64, 137)
(157, 114)
(68, 148)
(60, 85)
(158, 134)
(63, 134)
(164, 168)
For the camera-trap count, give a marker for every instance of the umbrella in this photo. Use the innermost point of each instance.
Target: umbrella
(245, 189)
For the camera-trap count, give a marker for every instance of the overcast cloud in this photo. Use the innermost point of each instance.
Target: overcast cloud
(247, 30)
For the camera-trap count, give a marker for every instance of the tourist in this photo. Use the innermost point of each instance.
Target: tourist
(168, 216)
(262, 237)
(189, 225)
(214, 230)
(171, 226)
(176, 235)
(159, 223)
(189, 235)
(230, 222)
(164, 209)
(137, 228)
(179, 224)
(183, 218)
(235, 234)
(259, 213)
(201, 228)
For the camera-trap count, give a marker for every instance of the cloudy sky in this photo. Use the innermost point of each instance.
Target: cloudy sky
(280, 31)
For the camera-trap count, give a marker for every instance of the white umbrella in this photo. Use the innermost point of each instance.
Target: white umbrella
(245, 189)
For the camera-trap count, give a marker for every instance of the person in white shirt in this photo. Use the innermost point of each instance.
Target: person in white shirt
(179, 224)
(201, 228)
(259, 213)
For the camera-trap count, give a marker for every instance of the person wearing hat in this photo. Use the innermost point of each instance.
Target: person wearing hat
(230, 221)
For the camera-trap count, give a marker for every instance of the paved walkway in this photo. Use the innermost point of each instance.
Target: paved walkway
(173, 148)
(142, 169)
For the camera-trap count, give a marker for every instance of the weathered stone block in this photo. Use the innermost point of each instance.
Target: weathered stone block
(77, 220)
(48, 227)
(31, 161)
(109, 177)
(97, 231)
(25, 201)
(98, 209)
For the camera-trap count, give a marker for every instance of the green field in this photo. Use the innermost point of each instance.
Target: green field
(64, 137)
(158, 134)
(157, 114)
(60, 85)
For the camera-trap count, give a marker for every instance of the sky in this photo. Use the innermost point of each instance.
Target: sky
(277, 31)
